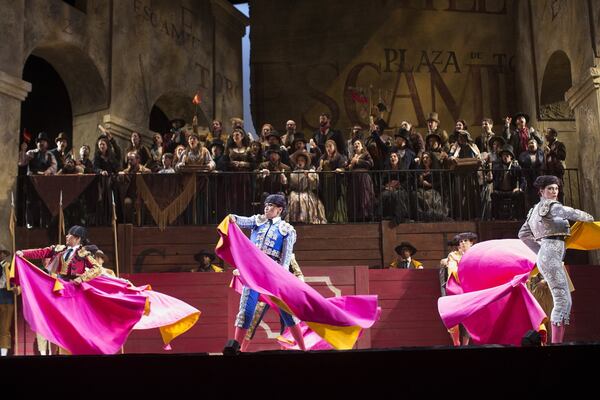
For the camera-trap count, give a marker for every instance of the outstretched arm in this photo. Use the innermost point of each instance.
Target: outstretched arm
(244, 222)
(572, 214)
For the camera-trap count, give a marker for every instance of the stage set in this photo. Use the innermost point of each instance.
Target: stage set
(408, 348)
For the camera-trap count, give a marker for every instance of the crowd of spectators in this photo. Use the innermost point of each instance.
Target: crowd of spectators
(398, 174)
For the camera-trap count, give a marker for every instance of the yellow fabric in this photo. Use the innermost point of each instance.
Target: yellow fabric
(584, 236)
(165, 216)
(216, 268)
(340, 337)
(170, 332)
(147, 307)
(224, 229)
(57, 285)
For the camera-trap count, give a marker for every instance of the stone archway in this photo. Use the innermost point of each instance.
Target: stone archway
(555, 83)
(86, 87)
(556, 113)
(48, 106)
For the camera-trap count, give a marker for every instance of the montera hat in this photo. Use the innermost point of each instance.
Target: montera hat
(277, 199)
(79, 231)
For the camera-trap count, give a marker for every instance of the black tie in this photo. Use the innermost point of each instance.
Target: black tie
(406, 264)
(68, 253)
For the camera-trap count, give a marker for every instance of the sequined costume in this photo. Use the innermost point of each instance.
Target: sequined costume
(544, 232)
(276, 239)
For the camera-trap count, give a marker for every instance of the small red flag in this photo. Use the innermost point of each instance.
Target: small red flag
(26, 135)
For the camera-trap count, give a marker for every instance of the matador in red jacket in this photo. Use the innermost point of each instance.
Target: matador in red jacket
(71, 261)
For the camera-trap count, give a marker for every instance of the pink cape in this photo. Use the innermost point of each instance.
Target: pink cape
(95, 317)
(495, 306)
(337, 320)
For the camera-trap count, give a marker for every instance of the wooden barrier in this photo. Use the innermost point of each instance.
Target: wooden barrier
(408, 300)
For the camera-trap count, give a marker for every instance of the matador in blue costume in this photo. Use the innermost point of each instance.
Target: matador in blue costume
(276, 238)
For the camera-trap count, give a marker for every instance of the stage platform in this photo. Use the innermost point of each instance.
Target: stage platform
(481, 371)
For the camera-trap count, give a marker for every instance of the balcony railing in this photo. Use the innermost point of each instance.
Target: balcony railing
(314, 197)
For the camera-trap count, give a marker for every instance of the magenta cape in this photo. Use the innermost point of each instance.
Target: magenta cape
(338, 320)
(495, 306)
(95, 317)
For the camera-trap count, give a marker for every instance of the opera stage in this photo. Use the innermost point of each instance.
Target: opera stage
(480, 370)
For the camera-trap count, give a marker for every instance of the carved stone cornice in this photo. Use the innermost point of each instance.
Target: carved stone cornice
(14, 87)
(229, 17)
(119, 127)
(579, 92)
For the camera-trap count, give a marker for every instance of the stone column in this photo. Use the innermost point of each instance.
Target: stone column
(13, 91)
(584, 100)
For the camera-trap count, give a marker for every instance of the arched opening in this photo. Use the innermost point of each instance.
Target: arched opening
(557, 80)
(159, 122)
(171, 106)
(48, 107)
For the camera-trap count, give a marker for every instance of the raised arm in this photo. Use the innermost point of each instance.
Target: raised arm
(245, 222)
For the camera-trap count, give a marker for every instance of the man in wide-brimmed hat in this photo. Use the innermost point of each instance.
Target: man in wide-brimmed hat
(39, 161)
(402, 147)
(508, 197)
(273, 182)
(464, 146)
(405, 260)
(433, 126)
(205, 261)
(274, 138)
(555, 154)
(519, 136)
(60, 151)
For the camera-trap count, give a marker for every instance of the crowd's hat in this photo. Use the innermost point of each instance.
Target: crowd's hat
(277, 199)
(405, 245)
(198, 256)
(273, 133)
(507, 148)
(433, 116)
(403, 133)
(545, 180)
(471, 236)
(521, 114)
(496, 138)
(467, 134)
(79, 231)
(301, 153)
(299, 137)
(434, 135)
(61, 136)
(42, 136)
(274, 148)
